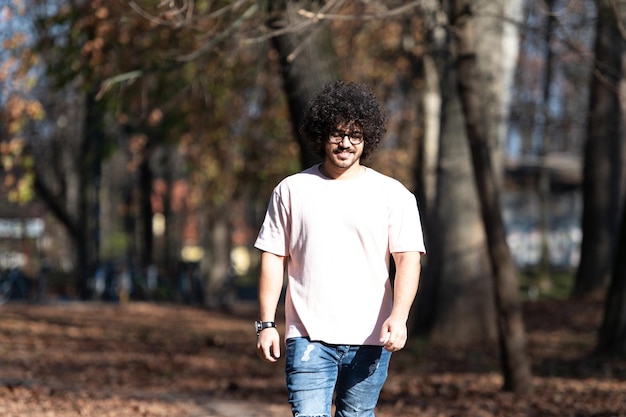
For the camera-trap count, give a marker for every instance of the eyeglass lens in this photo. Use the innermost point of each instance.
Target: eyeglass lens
(355, 137)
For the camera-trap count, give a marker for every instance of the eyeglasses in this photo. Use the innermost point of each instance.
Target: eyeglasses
(355, 137)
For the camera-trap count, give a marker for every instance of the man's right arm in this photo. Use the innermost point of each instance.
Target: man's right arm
(270, 287)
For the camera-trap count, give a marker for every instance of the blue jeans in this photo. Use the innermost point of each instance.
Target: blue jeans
(315, 370)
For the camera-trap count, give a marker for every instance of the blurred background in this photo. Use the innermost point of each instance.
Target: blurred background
(140, 140)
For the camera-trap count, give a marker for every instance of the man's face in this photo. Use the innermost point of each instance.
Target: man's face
(344, 154)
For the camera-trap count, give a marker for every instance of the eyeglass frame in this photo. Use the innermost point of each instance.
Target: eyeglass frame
(336, 137)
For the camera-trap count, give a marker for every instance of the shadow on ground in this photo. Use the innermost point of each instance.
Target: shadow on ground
(142, 359)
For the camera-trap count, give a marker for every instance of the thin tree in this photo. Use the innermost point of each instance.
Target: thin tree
(512, 339)
(612, 337)
(604, 160)
(604, 136)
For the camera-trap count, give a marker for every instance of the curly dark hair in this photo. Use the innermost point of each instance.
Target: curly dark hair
(341, 103)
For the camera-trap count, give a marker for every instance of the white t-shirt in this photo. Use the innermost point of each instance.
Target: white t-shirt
(338, 235)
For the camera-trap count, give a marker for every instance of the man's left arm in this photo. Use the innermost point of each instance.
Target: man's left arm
(394, 332)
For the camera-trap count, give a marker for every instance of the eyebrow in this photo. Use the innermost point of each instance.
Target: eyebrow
(348, 130)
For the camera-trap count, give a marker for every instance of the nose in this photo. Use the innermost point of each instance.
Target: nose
(345, 137)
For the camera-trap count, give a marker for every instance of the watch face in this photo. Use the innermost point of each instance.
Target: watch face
(262, 325)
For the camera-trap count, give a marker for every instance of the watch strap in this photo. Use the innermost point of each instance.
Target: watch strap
(262, 325)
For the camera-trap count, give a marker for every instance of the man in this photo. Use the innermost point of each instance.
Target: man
(333, 227)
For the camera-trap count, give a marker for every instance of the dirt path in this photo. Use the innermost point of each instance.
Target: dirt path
(19, 399)
(92, 359)
(107, 360)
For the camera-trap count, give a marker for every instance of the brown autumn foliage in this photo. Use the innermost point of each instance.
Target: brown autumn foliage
(143, 359)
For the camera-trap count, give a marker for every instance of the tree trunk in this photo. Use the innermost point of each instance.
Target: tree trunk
(497, 46)
(217, 291)
(610, 49)
(458, 239)
(515, 363)
(427, 164)
(307, 64)
(612, 338)
(464, 288)
(543, 280)
(145, 192)
(604, 164)
(89, 194)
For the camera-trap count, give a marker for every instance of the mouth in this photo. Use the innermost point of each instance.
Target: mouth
(345, 151)
(344, 154)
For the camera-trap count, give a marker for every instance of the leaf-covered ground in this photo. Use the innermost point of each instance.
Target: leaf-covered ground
(141, 359)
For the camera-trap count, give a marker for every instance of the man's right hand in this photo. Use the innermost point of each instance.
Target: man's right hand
(268, 345)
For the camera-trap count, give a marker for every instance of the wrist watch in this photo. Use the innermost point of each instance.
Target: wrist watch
(261, 325)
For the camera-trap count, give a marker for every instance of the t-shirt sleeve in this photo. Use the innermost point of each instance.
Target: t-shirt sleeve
(274, 233)
(405, 228)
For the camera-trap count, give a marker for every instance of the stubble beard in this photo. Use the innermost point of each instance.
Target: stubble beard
(344, 162)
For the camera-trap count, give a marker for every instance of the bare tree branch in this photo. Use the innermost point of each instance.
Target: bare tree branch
(183, 16)
(620, 25)
(223, 35)
(329, 6)
(109, 82)
(187, 9)
(171, 14)
(424, 4)
(314, 18)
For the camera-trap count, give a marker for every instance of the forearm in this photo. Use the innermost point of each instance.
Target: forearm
(406, 282)
(270, 285)
(393, 333)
